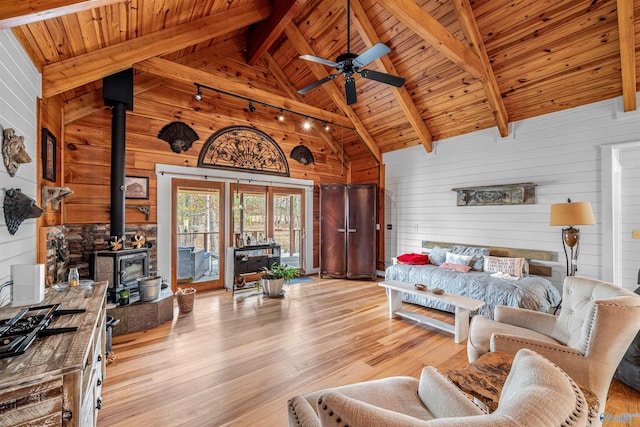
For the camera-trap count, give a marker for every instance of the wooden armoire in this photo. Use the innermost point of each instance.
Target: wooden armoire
(348, 231)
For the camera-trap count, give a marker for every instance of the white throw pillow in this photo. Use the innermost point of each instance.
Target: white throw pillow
(511, 266)
(458, 259)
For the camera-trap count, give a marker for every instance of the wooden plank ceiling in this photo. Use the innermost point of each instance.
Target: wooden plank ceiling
(468, 64)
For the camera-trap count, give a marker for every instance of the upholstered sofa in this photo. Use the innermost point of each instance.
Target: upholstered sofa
(536, 393)
(629, 368)
(191, 262)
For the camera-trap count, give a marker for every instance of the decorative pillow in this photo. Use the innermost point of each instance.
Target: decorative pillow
(455, 267)
(437, 255)
(512, 266)
(452, 258)
(413, 259)
(478, 254)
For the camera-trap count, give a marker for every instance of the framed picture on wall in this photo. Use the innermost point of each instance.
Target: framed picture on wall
(136, 187)
(48, 155)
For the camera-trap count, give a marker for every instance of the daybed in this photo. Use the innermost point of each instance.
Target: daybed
(530, 291)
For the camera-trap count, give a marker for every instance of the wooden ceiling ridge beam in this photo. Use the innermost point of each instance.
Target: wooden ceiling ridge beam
(286, 84)
(434, 33)
(368, 33)
(21, 12)
(233, 85)
(264, 34)
(627, 53)
(471, 31)
(301, 45)
(86, 68)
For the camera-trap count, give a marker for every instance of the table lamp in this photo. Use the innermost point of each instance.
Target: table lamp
(570, 214)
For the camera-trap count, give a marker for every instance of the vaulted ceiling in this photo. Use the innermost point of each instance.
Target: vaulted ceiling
(468, 64)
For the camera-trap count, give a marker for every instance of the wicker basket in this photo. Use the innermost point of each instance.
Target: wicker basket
(186, 298)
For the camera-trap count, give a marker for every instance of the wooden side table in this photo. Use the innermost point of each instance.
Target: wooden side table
(484, 378)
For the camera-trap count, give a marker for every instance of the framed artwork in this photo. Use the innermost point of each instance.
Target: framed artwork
(136, 187)
(48, 155)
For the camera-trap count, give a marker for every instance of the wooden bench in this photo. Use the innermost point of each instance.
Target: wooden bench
(463, 306)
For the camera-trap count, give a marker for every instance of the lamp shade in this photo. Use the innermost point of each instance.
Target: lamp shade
(572, 213)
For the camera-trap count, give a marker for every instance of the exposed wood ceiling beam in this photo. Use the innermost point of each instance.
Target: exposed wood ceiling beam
(627, 53)
(434, 33)
(220, 81)
(288, 87)
(86, 68)
(368, 33)
(20, 12)
(301, 45)
(470, 28)
(262, 36)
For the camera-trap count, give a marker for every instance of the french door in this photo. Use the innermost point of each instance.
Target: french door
(262, 214)
(197, 234)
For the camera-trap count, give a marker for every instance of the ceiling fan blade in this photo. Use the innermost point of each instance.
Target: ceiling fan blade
(318, 83)
(350, 90)
(382, 77)
(371, 54)
(313, 58)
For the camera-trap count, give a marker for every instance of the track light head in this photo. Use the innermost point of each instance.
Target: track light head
(251, 107)
(281, 116)
(326, 127)
(198, 96)
(307, 123)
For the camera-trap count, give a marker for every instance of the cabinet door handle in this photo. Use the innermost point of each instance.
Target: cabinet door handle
(351, 230)
(99, 382)
(99, 358)
(99, 403)
(341, 230)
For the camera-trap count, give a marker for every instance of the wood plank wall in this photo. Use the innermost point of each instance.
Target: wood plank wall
(86, 148)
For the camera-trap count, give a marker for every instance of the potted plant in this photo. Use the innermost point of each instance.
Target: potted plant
(273, 278)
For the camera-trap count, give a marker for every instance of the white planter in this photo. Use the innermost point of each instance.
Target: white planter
(272, 287)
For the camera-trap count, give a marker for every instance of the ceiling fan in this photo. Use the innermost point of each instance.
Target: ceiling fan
(348, 64)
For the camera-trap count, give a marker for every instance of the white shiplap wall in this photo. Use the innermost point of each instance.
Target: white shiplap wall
(560, 152)
(630, 215)
(20, 86)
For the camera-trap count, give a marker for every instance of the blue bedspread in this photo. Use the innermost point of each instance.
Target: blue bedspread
(531, 292)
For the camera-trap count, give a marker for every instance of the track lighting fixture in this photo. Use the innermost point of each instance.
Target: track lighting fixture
(198, 96)
(307, 119)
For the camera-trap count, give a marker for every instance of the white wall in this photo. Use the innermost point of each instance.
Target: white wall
(560, 152)
(20, 86)
(630, 215)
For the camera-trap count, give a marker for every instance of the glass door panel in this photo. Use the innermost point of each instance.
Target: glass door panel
(197, 230)
(287, 226)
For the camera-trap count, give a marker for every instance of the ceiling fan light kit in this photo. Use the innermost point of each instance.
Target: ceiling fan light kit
(348, 64)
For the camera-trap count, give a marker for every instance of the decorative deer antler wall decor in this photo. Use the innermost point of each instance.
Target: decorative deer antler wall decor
(54, 195)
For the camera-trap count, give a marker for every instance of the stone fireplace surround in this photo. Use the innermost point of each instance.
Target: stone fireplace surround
(73, 246)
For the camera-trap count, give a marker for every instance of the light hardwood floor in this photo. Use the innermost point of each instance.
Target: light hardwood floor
(236, 361)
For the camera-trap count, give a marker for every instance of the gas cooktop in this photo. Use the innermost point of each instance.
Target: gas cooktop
(17, 333)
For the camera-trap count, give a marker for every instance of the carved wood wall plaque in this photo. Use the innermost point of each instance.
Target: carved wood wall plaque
(507, 194)
(243, 148)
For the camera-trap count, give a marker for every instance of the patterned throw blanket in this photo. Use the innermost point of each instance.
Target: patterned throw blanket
(531, 292)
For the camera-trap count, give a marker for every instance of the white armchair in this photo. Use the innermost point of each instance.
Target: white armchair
(536, 394)
(596, 324)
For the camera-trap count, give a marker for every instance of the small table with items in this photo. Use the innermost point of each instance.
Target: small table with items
(484, 378)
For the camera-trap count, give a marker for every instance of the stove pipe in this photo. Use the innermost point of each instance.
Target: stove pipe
(117, 92)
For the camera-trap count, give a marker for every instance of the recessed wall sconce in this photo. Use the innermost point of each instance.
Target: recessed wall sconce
(198, 96)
